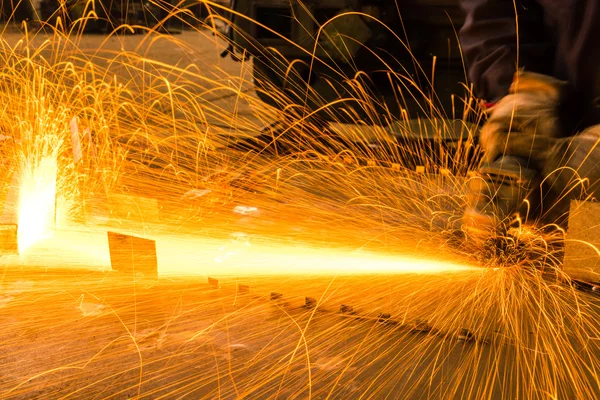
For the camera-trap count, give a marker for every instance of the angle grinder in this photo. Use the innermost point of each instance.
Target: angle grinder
(496, 197)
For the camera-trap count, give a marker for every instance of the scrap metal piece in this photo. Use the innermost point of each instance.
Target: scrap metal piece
(243, 289)
(465, 335)
(346, 309)
(276, 296)
(310, 302)
(421, 326)
(133, 255)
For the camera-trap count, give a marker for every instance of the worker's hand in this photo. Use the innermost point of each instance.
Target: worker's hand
(522, 122)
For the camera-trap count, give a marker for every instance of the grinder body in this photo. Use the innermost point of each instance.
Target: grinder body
(497, 195)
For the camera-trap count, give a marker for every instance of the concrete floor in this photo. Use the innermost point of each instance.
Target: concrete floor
(73, 334)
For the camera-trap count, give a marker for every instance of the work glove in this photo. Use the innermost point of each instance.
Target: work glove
(520, 130)
(519, 124)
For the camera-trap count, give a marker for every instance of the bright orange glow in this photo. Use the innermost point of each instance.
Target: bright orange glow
(88, 248)
(37, 202)
(208, 257)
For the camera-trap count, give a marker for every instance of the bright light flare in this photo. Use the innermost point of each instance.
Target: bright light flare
(37, 202)
(202, 256)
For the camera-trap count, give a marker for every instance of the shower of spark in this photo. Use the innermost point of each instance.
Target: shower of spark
(120, 135)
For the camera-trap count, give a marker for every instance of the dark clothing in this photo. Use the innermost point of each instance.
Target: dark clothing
(555, 37)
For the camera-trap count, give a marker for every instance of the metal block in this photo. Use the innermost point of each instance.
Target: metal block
(213, 282)
(133, 255)
(582, 259)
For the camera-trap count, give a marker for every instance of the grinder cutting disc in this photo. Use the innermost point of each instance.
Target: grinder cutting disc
(495, 196)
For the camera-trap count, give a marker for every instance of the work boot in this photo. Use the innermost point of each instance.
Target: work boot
(495, 196)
